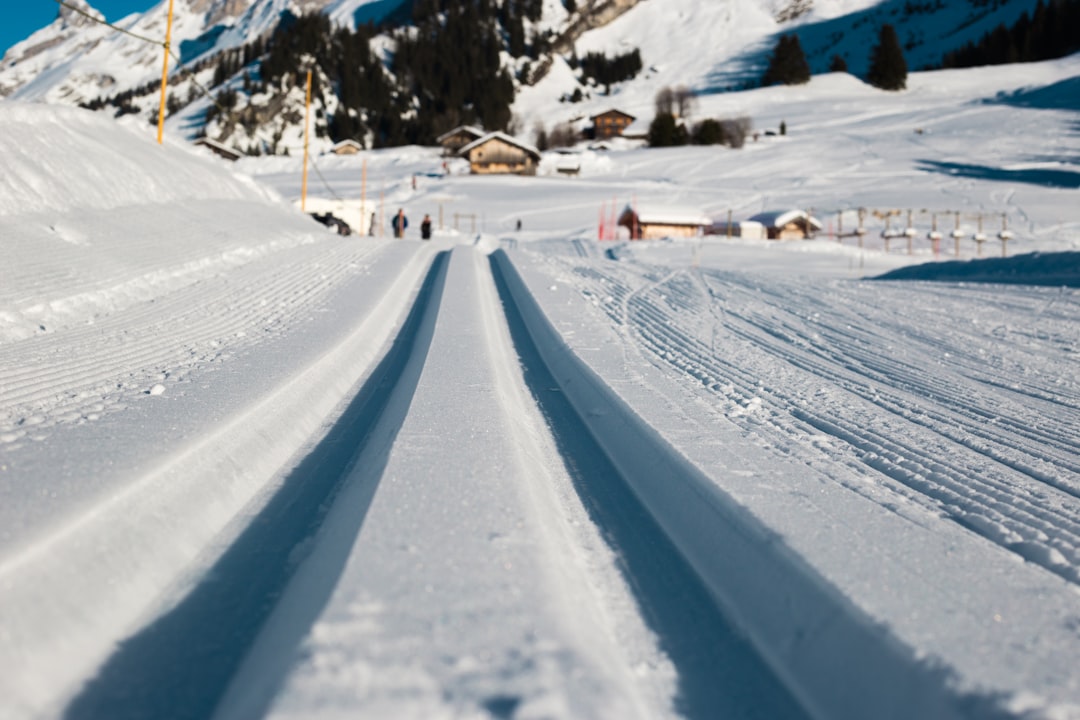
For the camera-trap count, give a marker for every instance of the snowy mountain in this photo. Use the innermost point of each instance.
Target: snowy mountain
(707, 47)
(74, 60)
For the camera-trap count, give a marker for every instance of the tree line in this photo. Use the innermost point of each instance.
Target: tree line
(1049, 32)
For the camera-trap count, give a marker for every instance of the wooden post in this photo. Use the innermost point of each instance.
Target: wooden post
(307, 134)
(957, 234)
(164, 77)
(1005, 235)
(979, 237)
(729, 224)
(363, 195)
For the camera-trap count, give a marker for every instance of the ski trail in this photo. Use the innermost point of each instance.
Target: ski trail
(966, 442)
(518, 621)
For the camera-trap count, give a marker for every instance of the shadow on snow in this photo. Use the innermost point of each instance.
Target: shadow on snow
(180, 665)
(1046, 177)
(720, 675)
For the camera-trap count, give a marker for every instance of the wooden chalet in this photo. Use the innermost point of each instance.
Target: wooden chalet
(218, 149)
(459, 137)
(610, 123)
(347, 147)
(650, 222)
(499, 153)
(788, 224)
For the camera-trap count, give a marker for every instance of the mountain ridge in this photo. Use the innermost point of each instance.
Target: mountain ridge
(223, 43)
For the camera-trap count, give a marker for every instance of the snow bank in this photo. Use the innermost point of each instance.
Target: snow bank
(58, 158)
(97, 217)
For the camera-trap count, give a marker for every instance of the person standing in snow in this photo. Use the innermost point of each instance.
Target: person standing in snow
(400, 222)
(425, 228)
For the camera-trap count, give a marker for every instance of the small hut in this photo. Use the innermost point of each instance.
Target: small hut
(788, 224)
(499, 153)
(649, 222)
(459, 137)
(610, 123)
(347, 147)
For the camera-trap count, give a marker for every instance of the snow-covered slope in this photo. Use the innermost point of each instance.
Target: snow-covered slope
(75, 60)
(708, 47)
(250, 467)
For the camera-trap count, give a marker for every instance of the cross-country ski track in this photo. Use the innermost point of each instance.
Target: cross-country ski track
(574, 535)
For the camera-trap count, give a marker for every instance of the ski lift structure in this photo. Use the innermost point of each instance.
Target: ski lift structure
(891, 229)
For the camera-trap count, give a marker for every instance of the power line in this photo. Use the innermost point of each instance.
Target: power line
(99, 21)
(188, 75)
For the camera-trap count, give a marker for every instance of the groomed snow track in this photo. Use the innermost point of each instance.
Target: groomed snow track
(750, 629)
(181, 664)
(835, 661)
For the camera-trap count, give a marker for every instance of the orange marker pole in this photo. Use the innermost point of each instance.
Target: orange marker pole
(164, 77)
(307, 134)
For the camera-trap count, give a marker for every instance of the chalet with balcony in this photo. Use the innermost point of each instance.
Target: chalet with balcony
(499, 153)
(610, 123)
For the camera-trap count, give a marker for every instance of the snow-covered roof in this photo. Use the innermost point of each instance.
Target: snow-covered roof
(347, 143)
(780, 218)
(661, 214)
(466, 129)
(508, 139)
(612, 111)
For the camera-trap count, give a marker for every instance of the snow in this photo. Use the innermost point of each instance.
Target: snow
(251, 468)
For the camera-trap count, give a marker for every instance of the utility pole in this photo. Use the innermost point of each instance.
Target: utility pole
(307, 135)
(164, 77)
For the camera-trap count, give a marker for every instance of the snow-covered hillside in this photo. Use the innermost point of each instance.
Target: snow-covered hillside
(74, 60)
(251, 468)
(708, 48)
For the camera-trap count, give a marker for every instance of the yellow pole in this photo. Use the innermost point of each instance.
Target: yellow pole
(164, 77)
(307, 131)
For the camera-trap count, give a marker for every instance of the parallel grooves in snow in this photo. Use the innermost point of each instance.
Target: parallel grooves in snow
(720, 674)
(779, 599)
(145, 529)
(996, 466)
(70, 370)
(180, 665)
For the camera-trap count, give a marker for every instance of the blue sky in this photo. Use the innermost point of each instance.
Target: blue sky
(23, 17)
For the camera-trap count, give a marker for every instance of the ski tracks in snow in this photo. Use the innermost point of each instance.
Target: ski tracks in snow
(81, 372)
(457, 545)
(486, 530)
(980, 425)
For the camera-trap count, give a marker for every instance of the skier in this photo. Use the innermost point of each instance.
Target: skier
(425, 227)
(399, 223)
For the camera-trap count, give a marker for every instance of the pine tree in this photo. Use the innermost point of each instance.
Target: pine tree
(665, 131)
(888, 69)
(788, 63)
